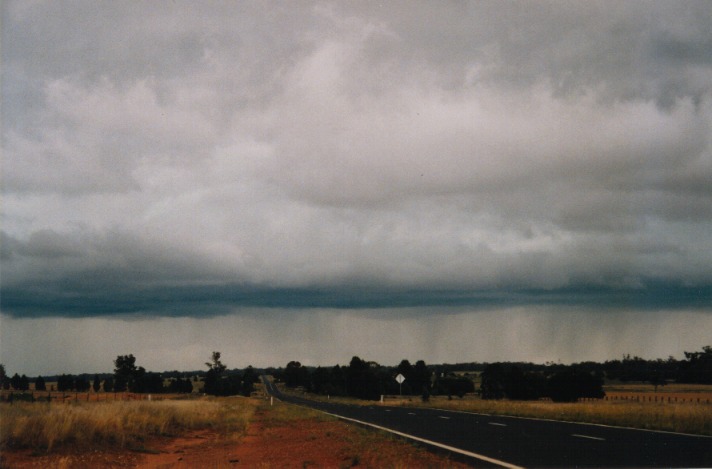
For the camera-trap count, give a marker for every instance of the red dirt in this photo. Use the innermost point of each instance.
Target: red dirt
(293, 444)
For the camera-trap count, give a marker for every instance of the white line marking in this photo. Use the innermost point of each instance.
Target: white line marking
(443, 417)
(498, 424)
(388, 410)
(411, 413)
(589, 424)
(589, 437)
(428, 442)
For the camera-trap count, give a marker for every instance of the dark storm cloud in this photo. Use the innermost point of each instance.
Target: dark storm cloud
(177, 159)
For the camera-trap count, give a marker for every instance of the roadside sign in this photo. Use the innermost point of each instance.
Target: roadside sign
(400, 378)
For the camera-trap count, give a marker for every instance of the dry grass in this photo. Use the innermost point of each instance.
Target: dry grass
(43, 427)
(683, 418)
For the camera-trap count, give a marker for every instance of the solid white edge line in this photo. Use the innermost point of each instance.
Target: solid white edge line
(571, 421)
(589, 437)
(422, 440)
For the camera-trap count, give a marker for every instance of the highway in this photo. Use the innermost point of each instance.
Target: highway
(496, 441)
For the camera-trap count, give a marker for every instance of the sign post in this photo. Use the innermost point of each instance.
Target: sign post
(400, 378)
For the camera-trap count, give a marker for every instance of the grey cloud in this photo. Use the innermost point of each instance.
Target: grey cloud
(477, 147)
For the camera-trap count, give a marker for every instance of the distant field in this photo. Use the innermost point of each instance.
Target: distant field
(684, 415)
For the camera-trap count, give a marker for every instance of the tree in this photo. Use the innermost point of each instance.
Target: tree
(148, 382)
(249, 378)
(24, 383)
(492, 382)
(216, 380)
(15, 382)
(454, 385)
(96, 385)
(364, 379)
(697, 368)
(570, 384)
(4, 382)
(65, 383)
(81, 384)
(420, 379)
(296, 375)
(109, 384)
(124, 372)
(40, 384)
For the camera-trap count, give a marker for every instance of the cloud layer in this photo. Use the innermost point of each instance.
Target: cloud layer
(176, 159)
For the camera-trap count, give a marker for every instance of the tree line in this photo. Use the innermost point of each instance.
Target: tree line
(129, 377)
(517, 381)
(368, 380)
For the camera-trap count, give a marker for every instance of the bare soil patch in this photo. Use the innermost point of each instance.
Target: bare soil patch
(271, 441)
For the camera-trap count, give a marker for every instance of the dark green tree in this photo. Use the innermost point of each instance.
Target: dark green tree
(24, 383)
(96, 384)
(65, 383)
(40, 384)
(15, 382)
(109, 384)
(364, 380)
(492, 381)
(4, 381)
(420, 380)
(81, 384)
(217, 382)
(125, 371)
(296, 375)
(570, 384)
(697, 368)
(249, 378)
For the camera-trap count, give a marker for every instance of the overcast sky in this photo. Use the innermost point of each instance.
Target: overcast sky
(447, 181)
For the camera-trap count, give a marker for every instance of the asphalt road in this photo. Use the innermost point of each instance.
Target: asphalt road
(492, 441)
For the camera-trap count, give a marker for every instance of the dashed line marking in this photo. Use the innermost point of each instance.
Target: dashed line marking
(498, 424)
(411, 413)
(443, 417)
(588, 437)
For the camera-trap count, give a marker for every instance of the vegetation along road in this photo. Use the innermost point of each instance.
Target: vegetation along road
(519, 442)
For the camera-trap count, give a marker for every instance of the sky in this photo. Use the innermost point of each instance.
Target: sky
(446, 181)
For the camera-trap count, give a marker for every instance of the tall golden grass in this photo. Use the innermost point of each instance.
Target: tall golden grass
(43, 427)
(682, 418)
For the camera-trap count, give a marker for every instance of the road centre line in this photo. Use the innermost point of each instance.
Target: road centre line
(498, 424)
(589, 424)
(443, 417)
(589, 437)
(411, 413)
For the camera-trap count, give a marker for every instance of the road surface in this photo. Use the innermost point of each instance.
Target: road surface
(497, 441)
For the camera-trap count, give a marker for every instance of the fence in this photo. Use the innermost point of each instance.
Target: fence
(68, 397)
(675, 399)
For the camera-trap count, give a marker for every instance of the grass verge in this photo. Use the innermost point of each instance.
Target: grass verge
(681, 418)
(44, 427)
